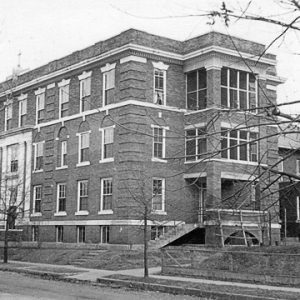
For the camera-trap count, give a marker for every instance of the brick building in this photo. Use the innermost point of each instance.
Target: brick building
(138, 119)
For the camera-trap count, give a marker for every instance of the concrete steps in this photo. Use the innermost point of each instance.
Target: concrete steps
(87, 256)
(171, 235)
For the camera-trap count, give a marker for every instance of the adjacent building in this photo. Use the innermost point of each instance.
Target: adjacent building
(140, 125)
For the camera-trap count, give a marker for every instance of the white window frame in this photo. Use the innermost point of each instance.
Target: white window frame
(22, 107)
(197, 139)
(63, 151)
(298, 166)
(164, 133)
(84, 81)
(161, 211)
(239, 142)
(107, 69)
(105, 211)
(35, 145)
(86, 162)
(298, 208)
(8, 114)
(12, 155)
(34, 212)
(60, 212)
(237, 88)
(160, 67)
(77, 232)
(81, 212)
(102, 130)
(57, 233)
(39, 96)
(63, 89)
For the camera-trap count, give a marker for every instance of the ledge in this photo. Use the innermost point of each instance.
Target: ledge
(82, 213)
(106, 160)
(60, 214)
(61, 168)
(161, 160)
(37, 214)
(82, 164)
(106, 212)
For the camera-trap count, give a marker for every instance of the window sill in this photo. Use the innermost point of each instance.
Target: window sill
(37, 214)
(106, 160)
(155, 159)
(82, 164)
(60, 214)
(106, 212)
(37, 171)
(81, 213)
(159, 212)
(61, 168)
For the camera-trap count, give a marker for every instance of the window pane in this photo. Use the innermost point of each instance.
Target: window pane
(191, 149)
(202, 79)
(243, 151)
(224, 97)
(252, 100)
(224, 76)
(252, 80)
(202, 146)
(233, 149)
(192, 101)
(243, 134)
(233, 78)
(202, 99)
(192, 81)
(243, 80)
(243, 100)
(233, 98)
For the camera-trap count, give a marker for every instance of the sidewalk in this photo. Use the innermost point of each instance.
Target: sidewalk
(91, 275)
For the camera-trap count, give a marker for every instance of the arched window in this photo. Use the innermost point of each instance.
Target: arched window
(62, 150)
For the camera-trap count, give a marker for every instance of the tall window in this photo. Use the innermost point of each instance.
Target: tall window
(61, 197)
(62, 155)
(59, 234)
(158, 142)
(37, 198)
(160, 82)
(107, 148)
(238, 89)
(85, 90)
(22, 112)
(158, 195)
(298, 207)
(80, 234)
(104, 233)
(106, 194)
(38, 156)
(40, 107)
(13, 157)
(64, 98)
(8, 116)
(84, 144)
(196, 89)
(239, 145)
(195, 144)
(35, 233)
(108, 83)
(83, 195)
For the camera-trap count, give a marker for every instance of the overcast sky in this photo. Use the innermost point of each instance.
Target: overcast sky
(44, 30)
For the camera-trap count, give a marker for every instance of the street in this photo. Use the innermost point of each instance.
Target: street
(14, 286)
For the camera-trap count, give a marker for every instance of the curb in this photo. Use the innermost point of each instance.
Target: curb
(170, 289)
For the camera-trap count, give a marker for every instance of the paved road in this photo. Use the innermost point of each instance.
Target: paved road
(15, 286)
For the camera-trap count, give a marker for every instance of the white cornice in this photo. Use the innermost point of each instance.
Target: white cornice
(40, 91)
(133, 58)
(134, 47)
(64, 82)
(85, 75)
(108, 67)
(160, 65)
(22, 97)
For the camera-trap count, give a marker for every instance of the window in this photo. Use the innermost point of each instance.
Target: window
(297, 166)
(59, 234)
(107, 148)
(104, 234)
(35, 233)
(64, 100)
(85, 90)
(8, 116)
(106, 194)
(80, 234)
(157, 231)
(158, 191)
(238, 89)
(108, 83)
(40, 107)
(298, 207)
(22, 112)
(38, 156)
(83, 195)
(158, 142)
(62, 154)
(84, 143)
(160, 82)
(195, 144)
(196, 89)
(13, 157)
(280, 167)
(239, 145)
(37, 198)
(61, 197)
(12, 216)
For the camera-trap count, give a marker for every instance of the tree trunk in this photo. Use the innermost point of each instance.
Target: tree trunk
(146, 272)
(5, 249)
